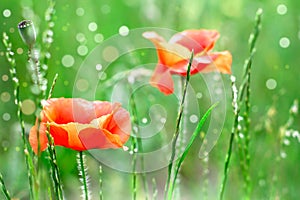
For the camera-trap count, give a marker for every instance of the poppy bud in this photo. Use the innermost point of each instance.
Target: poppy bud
(27, 32)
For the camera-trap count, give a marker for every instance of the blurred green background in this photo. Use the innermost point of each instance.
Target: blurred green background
(80, 26)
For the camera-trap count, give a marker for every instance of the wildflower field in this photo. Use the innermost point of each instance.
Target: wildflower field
(129, 99)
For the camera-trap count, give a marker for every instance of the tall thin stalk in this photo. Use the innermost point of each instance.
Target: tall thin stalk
(240, 98)
(139, 145)
(28, 159)
(83, 173)
(100, 183)
(178, 121)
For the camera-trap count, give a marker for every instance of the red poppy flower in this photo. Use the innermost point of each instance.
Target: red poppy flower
(80, 124)
(173, 56)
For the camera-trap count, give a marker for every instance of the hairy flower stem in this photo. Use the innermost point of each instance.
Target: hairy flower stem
(139, 144)
(100, 183)
(29, 162)
(82, 169)
(178, 121)
(238, 101)
(54, 168)
(233, 133)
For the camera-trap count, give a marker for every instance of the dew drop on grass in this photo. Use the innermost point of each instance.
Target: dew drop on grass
(193, 118)
(271, 84)
(284, 42)
(92, 26)
(67, 60)
(6, 13)
(125, 148)
(6, 116)
(281, 9)
(82, 50)
(123, 30)
(286, 142)
(98, 38)
(79, 12)
(241, 135)
(135, 128)
(288, 133)
(240, 118)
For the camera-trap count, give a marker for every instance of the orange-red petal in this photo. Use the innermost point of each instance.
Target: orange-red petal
(197, 40)
(212, 62)
(162, 79)
(43, 140)
(168, 54)
(109, 129)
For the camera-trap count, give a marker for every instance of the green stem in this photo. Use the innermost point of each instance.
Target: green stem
(52, 86)
(100, 183)
(54, 168)
(233, 133)
(238, 100)
(178, 121)
(4, 190)
(186, 150)
(82, 169)
(28, 159)
(139, 146)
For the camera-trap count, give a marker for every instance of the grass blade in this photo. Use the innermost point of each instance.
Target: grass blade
(3, 187)
(186, 150)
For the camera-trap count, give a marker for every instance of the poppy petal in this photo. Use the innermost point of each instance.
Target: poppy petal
(217, 61)
(168, 53)
(197, 40)
(221, 61)
(65, 110)
(162, 79)
(99, 124)
(33, 138)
